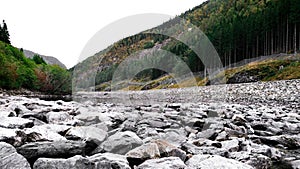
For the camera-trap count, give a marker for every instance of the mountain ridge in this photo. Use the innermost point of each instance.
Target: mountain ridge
(48, 59)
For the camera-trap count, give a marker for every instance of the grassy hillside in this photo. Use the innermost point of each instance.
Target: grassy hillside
(17, 72)
(286, 68)
(283, 68)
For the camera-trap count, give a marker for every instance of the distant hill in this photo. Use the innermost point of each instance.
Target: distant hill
(48, 59)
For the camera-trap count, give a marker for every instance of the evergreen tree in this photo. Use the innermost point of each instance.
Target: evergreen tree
(1, 33)
(4, 34)
(295, 19)
(38, 60)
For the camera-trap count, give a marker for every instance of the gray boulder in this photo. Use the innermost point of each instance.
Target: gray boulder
(259, 161)
(163, 163)
(49, 132)
(146, 151)
(109, 161)
(6, 133)
(142, 153)
(87, 133)
(76, 162)
(10, 159)
(17, 137)
(17, 108)
(168, 150)
(97, 161)
(91, 116)
(5, 112)
(56, 149)
(15, 122)
(120, 143)
(154, 122)
(208, 134)
(101, 126)
(58, 117)
(231, 145)
(244, 77)
(296, 164)
(173, 136)
(215, 161)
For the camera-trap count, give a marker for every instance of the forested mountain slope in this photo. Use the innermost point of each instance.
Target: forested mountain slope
(238, 30)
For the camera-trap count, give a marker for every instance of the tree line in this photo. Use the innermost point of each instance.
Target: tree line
(242, 29)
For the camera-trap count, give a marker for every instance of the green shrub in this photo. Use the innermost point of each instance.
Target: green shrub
(148, 45)
(38, 60)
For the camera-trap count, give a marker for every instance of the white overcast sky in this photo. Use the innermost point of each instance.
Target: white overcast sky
(61, 28)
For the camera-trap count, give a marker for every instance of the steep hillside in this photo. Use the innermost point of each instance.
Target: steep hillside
(238, 30)
(48, 59)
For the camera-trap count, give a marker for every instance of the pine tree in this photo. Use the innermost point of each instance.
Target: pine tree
(4, 34)
(1, 33)
(295, 19)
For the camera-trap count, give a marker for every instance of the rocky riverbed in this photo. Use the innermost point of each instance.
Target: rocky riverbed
(225, 126)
